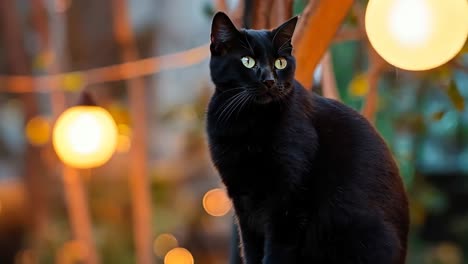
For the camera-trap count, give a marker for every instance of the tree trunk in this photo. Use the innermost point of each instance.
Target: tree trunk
(18, 63)
(138, 177)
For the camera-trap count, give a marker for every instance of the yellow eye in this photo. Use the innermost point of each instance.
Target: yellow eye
(280, 63)
(248, 62)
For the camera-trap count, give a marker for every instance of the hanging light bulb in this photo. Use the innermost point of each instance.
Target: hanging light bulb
(417, 34)
(178, 256)
(85, 136)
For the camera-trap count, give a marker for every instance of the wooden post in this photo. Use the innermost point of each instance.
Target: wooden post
(328, 78)
(377, 66)
(46, 42)
(78, 212)
(18, 63)
(317, 27)
(140, 190)
(261, 16)
(282, 11)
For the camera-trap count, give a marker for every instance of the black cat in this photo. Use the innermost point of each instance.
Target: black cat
(310, 179)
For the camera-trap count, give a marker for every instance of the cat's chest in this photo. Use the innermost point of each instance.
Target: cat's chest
(254, 167)
(250, 155)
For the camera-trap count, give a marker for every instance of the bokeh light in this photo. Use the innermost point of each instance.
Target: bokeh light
(163, 244)
(37, 130)
(124, 129)
(85, 136)
(72, 252)
(178, 256)
(216, 202)
(123, 144)
(417, 34)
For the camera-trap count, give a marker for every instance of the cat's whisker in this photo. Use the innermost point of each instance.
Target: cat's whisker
(232, 89)
(234, 107)
(250, 46)
(222, 108)
(245, 47)
(247, 100)
(239, 106)
(284, 49)
(285, 43)
(232, 101)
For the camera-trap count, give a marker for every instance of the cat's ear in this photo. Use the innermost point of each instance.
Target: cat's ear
(284, 32)
(223, 33)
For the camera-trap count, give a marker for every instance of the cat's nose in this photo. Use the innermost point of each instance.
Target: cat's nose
(269, 83)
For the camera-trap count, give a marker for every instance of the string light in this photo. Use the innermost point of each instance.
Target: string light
(216, 202)
(37, 130)
(73, 81)
(417, 34)
(179, 256)
(85, 136)
(163, 244)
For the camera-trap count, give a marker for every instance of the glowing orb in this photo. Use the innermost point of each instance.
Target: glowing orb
(417, 34)
(85, 136)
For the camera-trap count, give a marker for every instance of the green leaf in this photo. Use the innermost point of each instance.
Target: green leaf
(455, 96)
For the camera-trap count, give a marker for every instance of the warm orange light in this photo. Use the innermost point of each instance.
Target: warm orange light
(417, 34)
(38, 130)
(123, 144)
(85, 136)
(72, 252)
(216, 202)
(163, 243)
(178, 256)
(124, 129)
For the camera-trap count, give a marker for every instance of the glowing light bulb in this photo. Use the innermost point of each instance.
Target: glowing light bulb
(410, 22)
(417, 34)
(178, 256)
(38, 130)
(85, 136)
(216, 202)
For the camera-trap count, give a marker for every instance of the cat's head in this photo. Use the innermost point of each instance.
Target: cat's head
(258, 63)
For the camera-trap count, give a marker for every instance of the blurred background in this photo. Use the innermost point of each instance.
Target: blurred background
(158, 199)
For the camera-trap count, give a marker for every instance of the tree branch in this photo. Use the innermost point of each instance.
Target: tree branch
(312, 38)
(377, 66)
(328, 78)
(283, 10)
(262, 13)
(220, 5)
(138, 177)
(348, 34)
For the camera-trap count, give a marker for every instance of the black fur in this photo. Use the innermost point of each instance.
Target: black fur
(310, 179)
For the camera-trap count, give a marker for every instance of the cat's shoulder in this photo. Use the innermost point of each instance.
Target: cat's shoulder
(330, 113)
(326, 105)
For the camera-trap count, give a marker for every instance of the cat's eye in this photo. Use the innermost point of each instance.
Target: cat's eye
(248, 62)
(280, 63)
